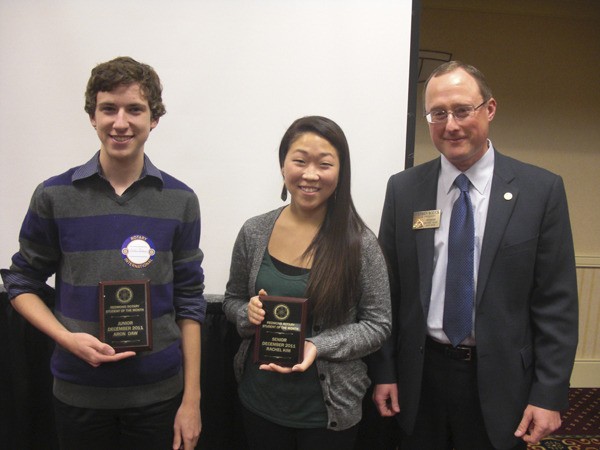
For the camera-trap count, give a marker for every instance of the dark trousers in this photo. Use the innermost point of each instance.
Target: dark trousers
(263, 434)
(449, 415)
(144, 428)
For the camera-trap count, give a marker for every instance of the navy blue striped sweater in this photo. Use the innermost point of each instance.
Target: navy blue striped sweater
(78, 229)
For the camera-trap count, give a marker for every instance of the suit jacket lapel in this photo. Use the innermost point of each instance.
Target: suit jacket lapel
(425, 200)
(500, 210)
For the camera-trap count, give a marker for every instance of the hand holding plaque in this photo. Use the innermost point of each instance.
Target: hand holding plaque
(280, 337)
(125, 315)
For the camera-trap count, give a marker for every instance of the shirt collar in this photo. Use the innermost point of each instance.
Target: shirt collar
(92, 167)
(479, 174)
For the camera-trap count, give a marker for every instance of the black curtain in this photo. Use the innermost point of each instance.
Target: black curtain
(26, 411)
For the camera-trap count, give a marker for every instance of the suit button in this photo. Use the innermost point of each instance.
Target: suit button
(333, 424)
(316, 328)
(421, 350)
(322, 377)
(327, 402)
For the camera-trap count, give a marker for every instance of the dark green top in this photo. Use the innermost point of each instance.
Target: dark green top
(295, 399)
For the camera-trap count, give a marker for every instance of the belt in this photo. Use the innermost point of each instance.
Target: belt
(460, 353)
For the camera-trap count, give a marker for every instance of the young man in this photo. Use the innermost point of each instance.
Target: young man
(117, 222)
(483, 285)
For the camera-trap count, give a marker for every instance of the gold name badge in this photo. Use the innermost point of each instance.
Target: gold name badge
(426, 219)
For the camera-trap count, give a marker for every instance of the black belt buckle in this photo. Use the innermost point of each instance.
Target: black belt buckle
(460, 352)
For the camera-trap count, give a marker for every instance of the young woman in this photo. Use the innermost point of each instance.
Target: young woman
(315, 247)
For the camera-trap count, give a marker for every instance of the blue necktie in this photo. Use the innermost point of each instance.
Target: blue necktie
(460, 290)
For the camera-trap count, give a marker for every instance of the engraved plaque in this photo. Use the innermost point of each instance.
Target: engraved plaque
(126, 314)
(280, 337)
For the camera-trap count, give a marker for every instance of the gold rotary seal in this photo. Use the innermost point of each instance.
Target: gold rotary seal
(281, 312)
(124, 295)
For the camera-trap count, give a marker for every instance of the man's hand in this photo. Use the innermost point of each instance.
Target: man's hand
(537, 423)
(92, 350)
(83, 345)
(385, 397)
(188, 423)
(187, 427)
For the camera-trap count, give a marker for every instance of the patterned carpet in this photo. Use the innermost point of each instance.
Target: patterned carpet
(580, 429)
(567, 443)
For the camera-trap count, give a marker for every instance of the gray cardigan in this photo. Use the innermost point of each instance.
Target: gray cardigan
(342, 373)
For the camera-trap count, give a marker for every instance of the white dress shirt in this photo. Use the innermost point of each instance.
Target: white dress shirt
(480, 175)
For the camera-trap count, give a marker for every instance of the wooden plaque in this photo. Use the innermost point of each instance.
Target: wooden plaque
(280, 337)
(126, 314)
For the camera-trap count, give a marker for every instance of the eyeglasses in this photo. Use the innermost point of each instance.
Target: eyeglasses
(459, 113)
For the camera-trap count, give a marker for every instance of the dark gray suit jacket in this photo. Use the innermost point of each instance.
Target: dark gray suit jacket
(526, 315)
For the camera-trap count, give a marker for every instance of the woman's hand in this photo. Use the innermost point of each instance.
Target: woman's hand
(256, 313)
(310, 354)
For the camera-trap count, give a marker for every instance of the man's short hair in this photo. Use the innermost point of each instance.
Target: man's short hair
(125, 71)
(451, 66)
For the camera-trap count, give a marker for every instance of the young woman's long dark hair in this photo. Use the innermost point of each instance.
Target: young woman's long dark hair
(333, 285)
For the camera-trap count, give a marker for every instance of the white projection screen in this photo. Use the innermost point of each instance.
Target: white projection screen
(235, 75)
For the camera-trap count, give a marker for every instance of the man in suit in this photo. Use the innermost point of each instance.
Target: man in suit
(501, 382)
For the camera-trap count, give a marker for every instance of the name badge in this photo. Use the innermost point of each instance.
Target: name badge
(138, 251)
(426, 219)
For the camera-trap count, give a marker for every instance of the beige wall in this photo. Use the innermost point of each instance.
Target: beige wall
(544, 69)
(542, 59)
